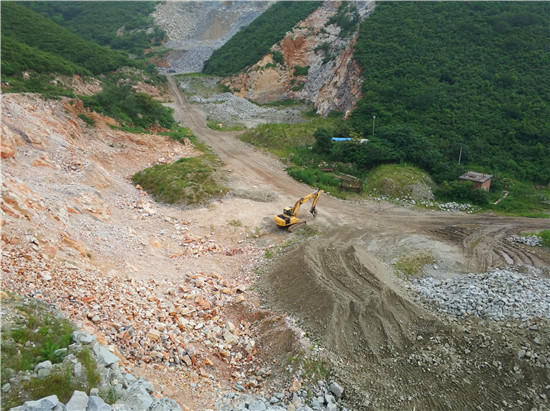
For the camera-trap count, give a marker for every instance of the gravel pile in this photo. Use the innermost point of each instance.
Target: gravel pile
(191, 61)
(323, 397)
(530, 240)
(226, 107)
(451, 206)
(199, 28)
(498, 295)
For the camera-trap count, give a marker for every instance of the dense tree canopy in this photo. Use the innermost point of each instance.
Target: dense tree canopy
(451, 76)
(24, 26)
(18, 57)
(124, 25)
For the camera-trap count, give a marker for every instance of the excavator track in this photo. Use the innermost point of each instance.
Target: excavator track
(296, 226)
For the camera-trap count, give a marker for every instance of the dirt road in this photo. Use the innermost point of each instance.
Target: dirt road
(476, 242)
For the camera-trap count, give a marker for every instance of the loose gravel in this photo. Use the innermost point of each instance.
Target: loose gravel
(497, 295)
(230, 108)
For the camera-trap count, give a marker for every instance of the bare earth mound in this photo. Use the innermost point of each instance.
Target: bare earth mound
(391, 352)
(348, 297)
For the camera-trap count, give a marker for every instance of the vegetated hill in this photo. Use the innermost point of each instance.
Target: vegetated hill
(123, 25)
(252, 42)
(451, 77)
(25, 26)
(18, 57)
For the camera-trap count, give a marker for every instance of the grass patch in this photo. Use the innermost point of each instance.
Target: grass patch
(35, 340)
(38, 83)
(215, 125)
(288, 136)
(397, 180)
(60, 383)
(34, 336)
(89, 364)
(317, 178)
(411, 265)
(89, 121)
(235, 223)
(188, 181)
(310, 369)
(545, 237)
(523, 200)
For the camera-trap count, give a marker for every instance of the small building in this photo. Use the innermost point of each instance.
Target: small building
(481, 180)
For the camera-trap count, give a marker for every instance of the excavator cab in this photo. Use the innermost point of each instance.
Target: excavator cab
(286, 211)
(289, 217)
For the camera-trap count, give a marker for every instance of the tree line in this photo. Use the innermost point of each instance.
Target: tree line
(30, 33)
(456, 79)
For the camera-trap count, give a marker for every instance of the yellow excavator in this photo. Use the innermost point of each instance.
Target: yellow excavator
(290, 219)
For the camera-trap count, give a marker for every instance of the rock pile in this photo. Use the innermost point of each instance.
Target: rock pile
(166, 324)
(132, 393)
(202, 27)
(530, 240)
(450, 206)
(323, 396)
(497, 295)
(226, 107)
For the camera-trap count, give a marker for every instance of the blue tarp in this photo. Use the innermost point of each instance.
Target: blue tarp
(341, 139)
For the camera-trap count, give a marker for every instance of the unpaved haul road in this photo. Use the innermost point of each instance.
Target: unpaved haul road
(462, 242)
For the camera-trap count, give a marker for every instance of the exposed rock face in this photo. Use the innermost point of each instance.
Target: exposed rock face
(333, 78)
(57, 172)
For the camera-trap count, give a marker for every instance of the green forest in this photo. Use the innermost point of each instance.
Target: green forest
(456, 78)
(30, 33)
(100, 21)
(254, 41)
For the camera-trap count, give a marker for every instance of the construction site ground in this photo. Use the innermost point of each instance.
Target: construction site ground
(77, 232)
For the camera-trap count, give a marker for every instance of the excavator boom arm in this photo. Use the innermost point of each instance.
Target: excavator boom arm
(315, 195)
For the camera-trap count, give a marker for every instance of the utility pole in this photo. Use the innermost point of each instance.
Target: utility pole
(373, 118)
(460, 155)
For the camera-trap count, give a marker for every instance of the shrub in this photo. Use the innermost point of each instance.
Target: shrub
(87, 120)
(461, 191)
(301, 71)
(278, 57)
(188, 181)
(323, 140)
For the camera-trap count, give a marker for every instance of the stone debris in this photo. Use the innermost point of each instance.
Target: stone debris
(450, 206)
(228, 108)
(530, 240)
(497, 295)
(175, 324)
(183, 20)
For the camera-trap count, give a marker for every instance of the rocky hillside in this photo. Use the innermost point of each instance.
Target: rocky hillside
(196, 29)
(317, 64)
